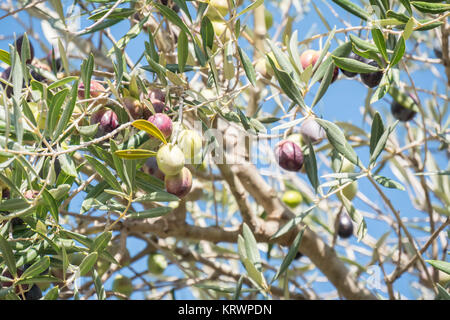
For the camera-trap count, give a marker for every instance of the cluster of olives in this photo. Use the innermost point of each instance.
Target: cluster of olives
(289, 156)
(50, 64)
(373, 79)
(169, 164)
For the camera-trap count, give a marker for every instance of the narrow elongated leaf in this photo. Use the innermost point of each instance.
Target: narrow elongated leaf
(8, 256)
(61, 82)
(237, 292)
(150, 213)
(252, 6)
(52, 294)
(88, 263)
(67, 165)
(101, 242)
(248, 67)
(352, 8)
(67, 111)
(338, 141)
(207, 33)
(131, 154)
(292, 223)
(182, 4)
(150, 128)
(5, 57)
(382, 142)
(398, 51)
(254, 274)
(251, 247)
(388, 183)
(376, 131)
(443, 293)
(37, 268)
(99, 289)
(407, 5)
(51, 202)
(170, 15)
(311, 167)
(429, 7)
(156, 197)
(440, 265)
(324, 84)
(353, 65)
(288, 85)
(293, 250)
(131, 34)
(104, 172)
(182, 50)
(362, 44)
(378, 38)
(342, 51)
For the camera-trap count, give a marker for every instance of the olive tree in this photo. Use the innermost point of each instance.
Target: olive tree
(149, 147)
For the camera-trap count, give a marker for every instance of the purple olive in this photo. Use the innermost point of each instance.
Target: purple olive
(96, 89)
(298, 256)
(19, 42)
(151, 167)
(179, 184)
(134, 107)
(158, 100)
(163, 122)
(289, 155)
(311, 131)
(372, 79)
(345, 226)
(354, 56)
(402, 113)
(107, 121)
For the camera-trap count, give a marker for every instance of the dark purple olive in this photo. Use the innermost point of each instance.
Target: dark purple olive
(289, 155)
(5, 76)
(34, 293)
(151, 167)
(163, 122)
(179, 184)
(402, 113)
(19, 42)
(372, 79)
(354, 56)
(345, 226)
(107, 121)
(311, 131)
(298, 256)
(6, 193)
(437, 52)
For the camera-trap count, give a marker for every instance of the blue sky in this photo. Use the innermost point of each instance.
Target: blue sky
(342, 102)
